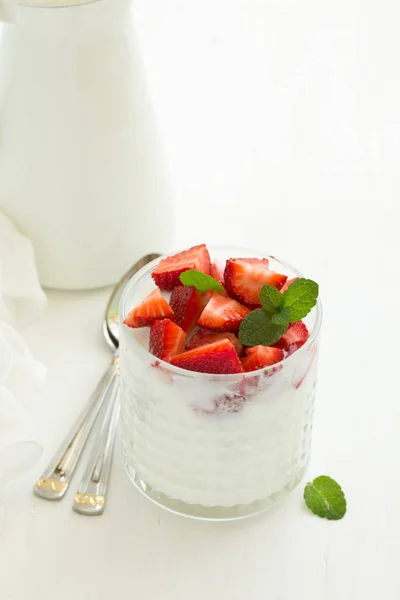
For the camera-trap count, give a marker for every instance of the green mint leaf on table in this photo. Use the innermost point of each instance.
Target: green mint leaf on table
(271, 299)
(258, 329)
(283, 317)
(300, 297)
(202, 282)
(325, 498)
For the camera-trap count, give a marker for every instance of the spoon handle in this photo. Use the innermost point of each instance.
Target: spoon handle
(55, 480)
(90, 497)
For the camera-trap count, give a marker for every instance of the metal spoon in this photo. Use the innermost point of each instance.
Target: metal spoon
(54, 482)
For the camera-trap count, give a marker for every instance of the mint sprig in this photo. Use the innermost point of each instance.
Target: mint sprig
(271, 299)
(300, 297)
(325, 498)
(258, 329)
(266, 325)
(202, 282)
(283, 317)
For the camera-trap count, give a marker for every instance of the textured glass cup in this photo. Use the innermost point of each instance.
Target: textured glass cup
(215, 446)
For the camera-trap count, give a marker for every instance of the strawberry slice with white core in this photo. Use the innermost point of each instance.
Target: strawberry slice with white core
(217, 358)
(259, 357)
(153, 307)
(201, 338)
(217, 271)
(289, 282)
(244, 278)
(222, 314)
(294, 337)
(166, 339)
(187, 304)
(167, 272)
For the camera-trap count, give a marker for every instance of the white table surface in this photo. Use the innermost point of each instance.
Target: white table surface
(281, 121)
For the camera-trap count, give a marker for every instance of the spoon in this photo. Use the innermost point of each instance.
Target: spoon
(54, 482)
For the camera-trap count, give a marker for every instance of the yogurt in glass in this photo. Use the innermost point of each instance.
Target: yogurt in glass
(215, 446)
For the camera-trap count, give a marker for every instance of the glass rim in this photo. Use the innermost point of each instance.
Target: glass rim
(221, 376)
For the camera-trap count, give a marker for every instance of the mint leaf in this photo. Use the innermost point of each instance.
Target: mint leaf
(325, 498)
(300, 297)
(282, 317)
(202, 282)
(271, 299)
(258, 329)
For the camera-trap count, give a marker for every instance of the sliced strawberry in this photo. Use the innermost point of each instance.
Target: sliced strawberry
(259, 357)
(187, 304)
(222, 314)
(244, 278)
(219, 357)
(296, 336)
(153, 307)
(201, 338)
(166, 339)
(289, 281)
(217, 271)
(167, 272)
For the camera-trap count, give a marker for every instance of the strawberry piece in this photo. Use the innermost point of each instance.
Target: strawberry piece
(244, 278)
(166, 339)
(259, 357)
(295, 336)
(289, 281)
(187, 304)
(167, 272)
(222, 314)
(219, 357)
(217, 271)
(201, 338)
(153, 307)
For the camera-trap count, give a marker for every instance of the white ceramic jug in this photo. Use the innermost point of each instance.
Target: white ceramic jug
(80, 166)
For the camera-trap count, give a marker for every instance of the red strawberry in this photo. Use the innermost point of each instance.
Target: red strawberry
(219, 357)
(297, 335)
(244, 278)
(222, 314)
(259, 357)
(166, 339)
(217, 271)
(167, 272)
(153, 307)
(187, 304)
(289, 281)
(201, 338)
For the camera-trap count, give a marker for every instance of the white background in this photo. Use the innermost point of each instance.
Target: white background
(282, 127)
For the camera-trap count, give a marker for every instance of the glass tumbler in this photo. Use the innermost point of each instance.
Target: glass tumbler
(215, 446)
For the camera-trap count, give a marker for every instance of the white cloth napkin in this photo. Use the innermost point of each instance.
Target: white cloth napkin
(21, 300)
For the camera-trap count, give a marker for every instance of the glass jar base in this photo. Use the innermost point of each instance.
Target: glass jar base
(209, 513)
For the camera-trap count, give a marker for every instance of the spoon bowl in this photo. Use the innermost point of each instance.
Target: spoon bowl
(111, 320)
